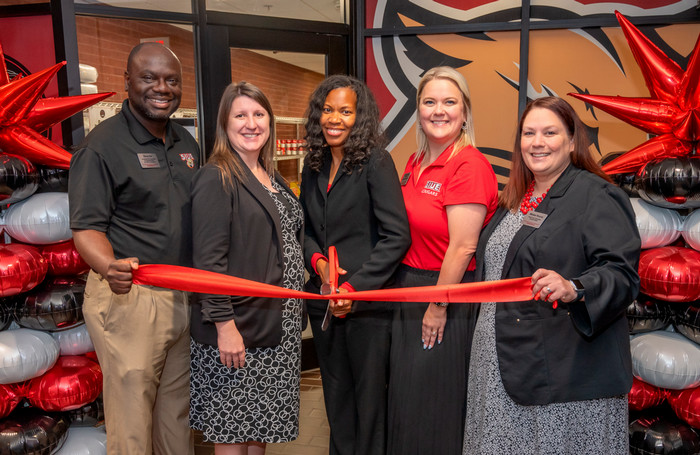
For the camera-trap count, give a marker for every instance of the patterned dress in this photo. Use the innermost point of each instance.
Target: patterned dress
(259, 402)
(496, 425)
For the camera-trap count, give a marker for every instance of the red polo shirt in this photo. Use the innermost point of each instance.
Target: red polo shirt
(467, 178)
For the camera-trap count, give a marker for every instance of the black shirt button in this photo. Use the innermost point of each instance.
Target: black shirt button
(171, 164)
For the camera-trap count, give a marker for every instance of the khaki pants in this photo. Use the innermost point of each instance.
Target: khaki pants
(143, 344)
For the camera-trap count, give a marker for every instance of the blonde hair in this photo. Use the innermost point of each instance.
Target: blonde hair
(466, 135)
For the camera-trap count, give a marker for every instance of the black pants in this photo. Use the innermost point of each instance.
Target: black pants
(353, 355)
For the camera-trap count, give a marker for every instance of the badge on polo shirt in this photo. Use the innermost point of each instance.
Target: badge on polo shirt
(188, 158)
(432, 188)
(148, 160)
(404, 179)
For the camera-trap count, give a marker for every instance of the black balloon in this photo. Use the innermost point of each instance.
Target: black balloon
(53, 180)
(624, 181)
(19, 179)
(32, 431)
(646, 314)
(671, 182)
(56, 304)
(662, 434)
(6, 313)
(90, 415)
(687, 321)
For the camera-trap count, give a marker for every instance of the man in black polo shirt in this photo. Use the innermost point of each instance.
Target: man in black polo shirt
(129, 205)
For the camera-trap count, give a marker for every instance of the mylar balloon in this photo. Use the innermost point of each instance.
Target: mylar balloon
(63, 259)
(657, 226)
(7, 314)
(74, 381)
(687, 321)
(56, 304)
(643, 395)
(21, 268)
(9, 399)
(686, 405)
(624, 181)
(25, 354)
(89, 415)
(53, 180)
(84, 441)
(32, 431)
(662, 436)
(670, 273)
(691, 230)
(41, 219)
(666, 359)
(74, 341)
(19, 179)
(646, 314)
(671, 182)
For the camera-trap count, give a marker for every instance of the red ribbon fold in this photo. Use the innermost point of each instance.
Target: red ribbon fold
(202, 281)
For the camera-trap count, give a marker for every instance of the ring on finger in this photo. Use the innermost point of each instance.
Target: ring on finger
(548, 289)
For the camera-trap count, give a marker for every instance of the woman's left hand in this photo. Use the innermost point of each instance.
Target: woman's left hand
(551, 286)
(434, 321)
(341, 307)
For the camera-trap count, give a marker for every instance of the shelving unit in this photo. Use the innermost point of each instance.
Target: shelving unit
(290, 166)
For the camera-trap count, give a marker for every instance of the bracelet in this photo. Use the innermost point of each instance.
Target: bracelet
(441, 304)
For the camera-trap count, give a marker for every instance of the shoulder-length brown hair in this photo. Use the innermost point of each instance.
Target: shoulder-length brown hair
(222, 153)
(521, 176)
(466, 134)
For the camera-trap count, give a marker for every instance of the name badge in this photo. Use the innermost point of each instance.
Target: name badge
(148, 160)
(404, 179)
(534, 219)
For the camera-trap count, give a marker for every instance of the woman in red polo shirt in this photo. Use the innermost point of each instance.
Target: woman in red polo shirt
(450, 192)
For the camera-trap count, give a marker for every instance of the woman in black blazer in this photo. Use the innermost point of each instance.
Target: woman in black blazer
(247, 223)
(352, 200)
(551, 375)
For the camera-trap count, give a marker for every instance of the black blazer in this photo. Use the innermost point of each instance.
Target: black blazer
(363, 216)
(578, 351)
(237, 233)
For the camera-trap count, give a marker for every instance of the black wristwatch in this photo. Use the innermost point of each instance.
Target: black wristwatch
(578, 287)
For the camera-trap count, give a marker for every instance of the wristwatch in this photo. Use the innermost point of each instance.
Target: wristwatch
(578, 287)
(441, 304)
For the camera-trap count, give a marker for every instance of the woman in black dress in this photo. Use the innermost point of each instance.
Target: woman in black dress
(352, 200)
(246, 223)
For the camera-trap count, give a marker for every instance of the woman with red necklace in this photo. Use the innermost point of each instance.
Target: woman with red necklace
(551, 375)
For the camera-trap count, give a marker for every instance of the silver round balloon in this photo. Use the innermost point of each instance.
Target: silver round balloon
(666, 359)
(657, 226)
(74, 341)
(25, 354)
(84, 441)
(691, 229)
(56, 304)
(40, 219)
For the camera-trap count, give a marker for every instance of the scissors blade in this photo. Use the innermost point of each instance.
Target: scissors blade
(327, 318)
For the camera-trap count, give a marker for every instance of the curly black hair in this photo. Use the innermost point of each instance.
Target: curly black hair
(365, 135)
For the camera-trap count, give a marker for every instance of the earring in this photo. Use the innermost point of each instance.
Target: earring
(464, 126)
(420, 127)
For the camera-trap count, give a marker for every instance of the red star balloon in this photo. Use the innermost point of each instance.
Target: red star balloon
(672, 112)
(23, 115)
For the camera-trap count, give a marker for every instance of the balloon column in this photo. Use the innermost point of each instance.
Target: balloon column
(663, 177)
(48, 377)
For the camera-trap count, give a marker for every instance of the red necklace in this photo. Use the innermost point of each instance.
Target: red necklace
(526, 205)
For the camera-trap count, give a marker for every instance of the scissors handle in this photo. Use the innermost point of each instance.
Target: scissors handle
(333, 268)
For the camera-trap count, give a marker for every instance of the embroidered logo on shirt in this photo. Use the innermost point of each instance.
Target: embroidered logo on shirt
(432, 188)
(188, 158)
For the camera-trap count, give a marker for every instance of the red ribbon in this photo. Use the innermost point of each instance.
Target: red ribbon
(194, 280)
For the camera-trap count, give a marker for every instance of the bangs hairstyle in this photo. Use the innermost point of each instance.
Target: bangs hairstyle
(365, 135)
(465, 137)
(581, 157)
(231, 167)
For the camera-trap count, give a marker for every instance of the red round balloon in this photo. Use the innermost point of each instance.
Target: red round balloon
(686, 405)
(63, 259)
(643, 395)
(73, 382)
(22, 267)
(9, 399)
(670, 273)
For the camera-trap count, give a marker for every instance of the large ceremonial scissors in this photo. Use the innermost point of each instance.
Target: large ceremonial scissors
(332, 286)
